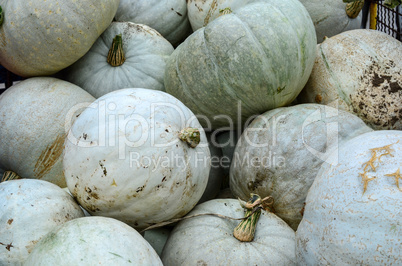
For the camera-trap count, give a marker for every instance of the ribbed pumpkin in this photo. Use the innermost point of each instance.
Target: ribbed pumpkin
(133, 155)
(244, 63)
(281, 151)
(126, 55)
(168, 17)
(93, 241)
(209, 240)
(39, 38)
(353, 212)
(35, 115)
(361, 72)
(29, 209)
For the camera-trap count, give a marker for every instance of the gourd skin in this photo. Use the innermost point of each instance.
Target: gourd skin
(330, 18)
(281, 151)
(361, 72)
(260, 56)
(29, 209)
(40, 38)
(93, 241)
(146, 53)
(209, 240)
(34, 118)
(123, 158)
(168, 17)
(342, 224)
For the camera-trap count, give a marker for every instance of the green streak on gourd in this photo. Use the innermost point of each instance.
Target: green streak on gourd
(191, 136)
(116, 56)
(353, 8)
(1, 16)
(333, 76)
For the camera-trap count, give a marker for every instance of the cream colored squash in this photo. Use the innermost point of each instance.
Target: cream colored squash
(93, 241)
(281, 151)
(361, 72)
(29, 209)
(39, 38)
(35, 115)
(353, 213)
(124, 158)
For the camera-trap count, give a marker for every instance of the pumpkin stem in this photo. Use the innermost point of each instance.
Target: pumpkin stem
(191, 136)
(9, 175)
(245, 230)
(225, 11)
(1, 16)
(115, 57)
(353, 8)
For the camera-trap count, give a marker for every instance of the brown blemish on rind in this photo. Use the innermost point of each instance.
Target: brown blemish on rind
(49, 157)
(378, 101)
(10, 221)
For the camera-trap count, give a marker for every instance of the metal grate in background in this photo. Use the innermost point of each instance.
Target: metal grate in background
(389, 20)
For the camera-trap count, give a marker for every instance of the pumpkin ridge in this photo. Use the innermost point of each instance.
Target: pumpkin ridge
(222, 78)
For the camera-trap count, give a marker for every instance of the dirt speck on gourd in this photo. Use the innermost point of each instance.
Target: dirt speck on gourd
(49, 157)
(379, 96)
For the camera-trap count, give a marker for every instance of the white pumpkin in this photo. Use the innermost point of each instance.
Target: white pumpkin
(29, 209)
(330, 17)
(93, 241)
(168, 17)
(35, 115)
(142, 63)
(123, 158)
(281, 151)
(353, 212)
(40, 38)
(209, 240)
(361, 72)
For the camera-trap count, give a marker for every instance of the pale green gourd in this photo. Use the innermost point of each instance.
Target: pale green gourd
(39, 38)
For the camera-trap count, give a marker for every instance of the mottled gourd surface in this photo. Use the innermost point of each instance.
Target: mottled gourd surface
(244, 63)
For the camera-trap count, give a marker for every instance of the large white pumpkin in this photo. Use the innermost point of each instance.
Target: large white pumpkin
(40, 38)
(123, 158)
(29, 209)
(168, 17)
(281, 151)
(361, 72)
(244, 63)
(353, 213)
(35, 115)
(93, 241)
(209, 240)
(145, 53)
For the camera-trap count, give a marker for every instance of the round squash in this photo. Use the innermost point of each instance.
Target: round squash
(281, 151)
(39, 38)
(361, 72)
(124, 158)
(330, 17)
(126, 55)
(29, 209)
(168, 17)
(244, 63)
(353, 209)
(209, 240)
(93, 241)
(35, 115)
